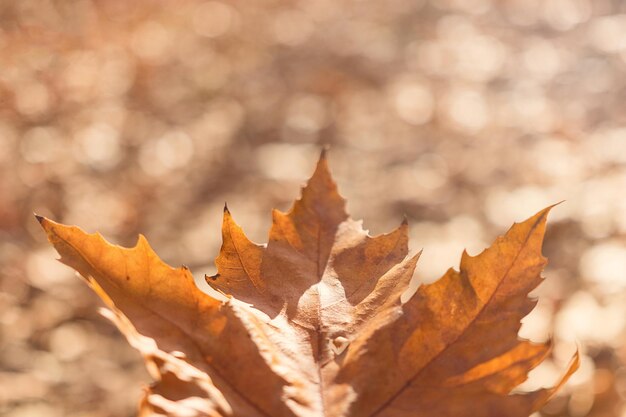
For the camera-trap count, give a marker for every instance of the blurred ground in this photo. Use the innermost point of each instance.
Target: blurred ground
(465, 115)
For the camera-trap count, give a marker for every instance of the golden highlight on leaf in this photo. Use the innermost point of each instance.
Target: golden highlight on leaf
(314, 325)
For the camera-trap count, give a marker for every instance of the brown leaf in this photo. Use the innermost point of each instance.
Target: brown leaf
(314, 324)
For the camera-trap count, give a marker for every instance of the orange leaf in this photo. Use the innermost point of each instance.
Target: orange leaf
(314, 324)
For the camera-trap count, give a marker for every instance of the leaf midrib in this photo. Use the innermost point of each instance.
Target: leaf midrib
(158, 314)
(461, 334)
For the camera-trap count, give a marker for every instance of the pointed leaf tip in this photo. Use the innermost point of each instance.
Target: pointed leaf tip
(548, 209)
(226, 207)
(322, 170)
(39, 218)
(324, 152)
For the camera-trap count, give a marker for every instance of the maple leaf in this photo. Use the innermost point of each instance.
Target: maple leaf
(314, 324)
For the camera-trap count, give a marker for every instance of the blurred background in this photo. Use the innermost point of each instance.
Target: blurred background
(463, 115)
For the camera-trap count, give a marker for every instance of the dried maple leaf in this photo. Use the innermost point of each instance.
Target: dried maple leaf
(314, 324)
